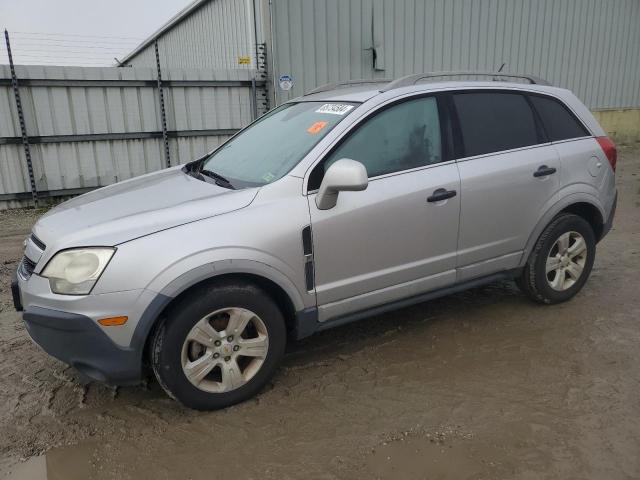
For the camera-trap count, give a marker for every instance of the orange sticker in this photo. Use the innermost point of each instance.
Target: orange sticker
(316, 127)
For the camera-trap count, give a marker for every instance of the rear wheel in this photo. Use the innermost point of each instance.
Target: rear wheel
(219, 345)
(561, 260)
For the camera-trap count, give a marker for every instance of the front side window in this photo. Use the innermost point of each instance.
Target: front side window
(401, 137)
(271, 147)
(494, 121)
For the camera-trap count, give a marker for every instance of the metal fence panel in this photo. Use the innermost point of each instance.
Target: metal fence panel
(90, 127)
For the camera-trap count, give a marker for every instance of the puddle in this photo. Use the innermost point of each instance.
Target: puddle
(33, 469)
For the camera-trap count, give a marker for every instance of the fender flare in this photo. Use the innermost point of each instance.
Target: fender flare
(205, 272)
(550, 213)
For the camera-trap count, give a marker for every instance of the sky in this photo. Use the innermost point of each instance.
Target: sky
(80, 32)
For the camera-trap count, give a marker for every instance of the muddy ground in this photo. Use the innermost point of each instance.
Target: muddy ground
(483, 384)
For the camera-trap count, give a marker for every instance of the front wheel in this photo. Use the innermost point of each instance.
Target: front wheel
(219, 345)
(561, 260)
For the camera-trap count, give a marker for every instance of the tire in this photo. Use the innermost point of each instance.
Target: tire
(235, 377)
(546, 287)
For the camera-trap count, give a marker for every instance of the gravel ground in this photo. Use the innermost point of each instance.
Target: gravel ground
(483, 384)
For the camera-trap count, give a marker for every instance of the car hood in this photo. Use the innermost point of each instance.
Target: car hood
(137, 207)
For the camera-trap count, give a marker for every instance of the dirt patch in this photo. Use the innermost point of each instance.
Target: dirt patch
(484, 384)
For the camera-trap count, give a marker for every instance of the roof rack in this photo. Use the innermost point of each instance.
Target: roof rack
(334, 85)
(411, 80)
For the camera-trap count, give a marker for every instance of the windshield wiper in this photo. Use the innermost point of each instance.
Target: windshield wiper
(220, 180)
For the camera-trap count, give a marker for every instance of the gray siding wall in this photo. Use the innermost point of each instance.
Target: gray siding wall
(588, 46)
(213, 36)
(65, 109)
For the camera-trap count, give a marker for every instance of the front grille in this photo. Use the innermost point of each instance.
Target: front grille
(26, 268)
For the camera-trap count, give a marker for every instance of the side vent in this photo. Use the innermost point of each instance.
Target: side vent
(307, 249)
(307, 244)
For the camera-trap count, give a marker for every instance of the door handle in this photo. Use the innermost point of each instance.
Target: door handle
(441, 194)
(543, 171)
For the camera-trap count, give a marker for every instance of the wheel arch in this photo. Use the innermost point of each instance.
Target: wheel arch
(590, 213)
(584, 205)
(274, 283)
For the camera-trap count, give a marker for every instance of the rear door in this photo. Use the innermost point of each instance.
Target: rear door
(582, 158)
(509, 175)
(389, 241)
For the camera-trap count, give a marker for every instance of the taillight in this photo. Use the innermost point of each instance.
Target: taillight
(609, 149)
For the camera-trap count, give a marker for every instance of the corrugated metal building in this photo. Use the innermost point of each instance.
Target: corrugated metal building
(206, 34)
(589, 46)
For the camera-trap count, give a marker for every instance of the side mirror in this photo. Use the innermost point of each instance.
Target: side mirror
(343, 175)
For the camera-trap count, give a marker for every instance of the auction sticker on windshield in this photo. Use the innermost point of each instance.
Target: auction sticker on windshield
(334, 108)
(316, 127)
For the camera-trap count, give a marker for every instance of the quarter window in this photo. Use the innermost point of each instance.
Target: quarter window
(558, 121)
(401, 137)
(494, 121)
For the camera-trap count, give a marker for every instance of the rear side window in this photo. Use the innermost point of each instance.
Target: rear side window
(558, 121)
(494, 121)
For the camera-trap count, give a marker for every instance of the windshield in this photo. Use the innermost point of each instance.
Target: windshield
(271, 147)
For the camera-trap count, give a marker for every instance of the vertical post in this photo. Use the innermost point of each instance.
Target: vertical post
(23, 127)
(254, 99)
(254, 92)
(255, 31)
(163, 115)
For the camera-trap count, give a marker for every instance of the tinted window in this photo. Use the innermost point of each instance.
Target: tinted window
(558, 121)
(400, 137)
(494, 121)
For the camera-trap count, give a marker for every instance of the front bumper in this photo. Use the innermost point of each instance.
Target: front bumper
(66, 327)
(78, 341)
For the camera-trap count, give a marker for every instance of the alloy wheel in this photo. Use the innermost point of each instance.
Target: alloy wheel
(224, 350)
(566, 261)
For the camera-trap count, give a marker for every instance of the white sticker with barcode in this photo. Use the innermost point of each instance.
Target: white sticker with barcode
(334, 108)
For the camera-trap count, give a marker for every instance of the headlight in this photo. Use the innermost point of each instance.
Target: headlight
(76, 271)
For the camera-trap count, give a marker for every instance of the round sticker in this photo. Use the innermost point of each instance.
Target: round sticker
(286, 82)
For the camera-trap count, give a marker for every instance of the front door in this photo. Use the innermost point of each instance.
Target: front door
(396, 239)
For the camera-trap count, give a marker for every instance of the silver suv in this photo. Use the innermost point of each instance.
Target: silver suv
(351, 200)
